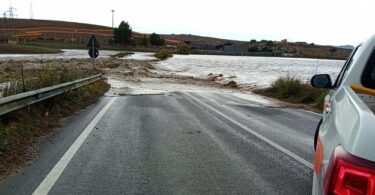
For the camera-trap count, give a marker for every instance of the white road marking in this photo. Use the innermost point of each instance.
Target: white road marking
(270, 142)
(311, 112)
(57, 170)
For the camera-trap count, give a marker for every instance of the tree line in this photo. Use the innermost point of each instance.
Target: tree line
(123, 35)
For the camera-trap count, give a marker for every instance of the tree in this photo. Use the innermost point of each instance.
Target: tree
(253, 49)
(253, 41)
(269, 44)
(123, 34)
(156, 40)
(267, 49)
(145, 41)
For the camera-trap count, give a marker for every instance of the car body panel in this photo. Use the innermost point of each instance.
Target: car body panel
(350, 120)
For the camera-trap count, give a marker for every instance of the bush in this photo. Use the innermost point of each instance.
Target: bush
(295, 91)
(156, 40)
(163, 54)
(320, 96)
(183, 49)
(145, 41)
(270, 44)
(253, 49)
(267, 49)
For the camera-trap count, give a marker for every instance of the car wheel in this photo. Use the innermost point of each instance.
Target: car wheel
(317, 133)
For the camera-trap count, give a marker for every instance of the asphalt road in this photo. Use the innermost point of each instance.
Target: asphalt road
(177, 143)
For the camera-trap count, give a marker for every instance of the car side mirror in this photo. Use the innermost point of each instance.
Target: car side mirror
(322, 81)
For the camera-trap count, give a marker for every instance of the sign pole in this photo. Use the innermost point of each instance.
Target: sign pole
(93, 59)
(93, 46)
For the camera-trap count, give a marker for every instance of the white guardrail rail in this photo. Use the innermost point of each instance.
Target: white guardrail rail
(15, 102)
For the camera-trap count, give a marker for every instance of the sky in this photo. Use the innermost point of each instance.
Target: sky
(326, 22)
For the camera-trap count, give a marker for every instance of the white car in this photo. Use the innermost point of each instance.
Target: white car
(345, 137)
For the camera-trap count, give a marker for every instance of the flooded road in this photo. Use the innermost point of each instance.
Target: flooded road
(244, 70)
(257, 71)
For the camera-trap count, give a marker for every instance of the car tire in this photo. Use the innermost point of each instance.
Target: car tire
(317, 133)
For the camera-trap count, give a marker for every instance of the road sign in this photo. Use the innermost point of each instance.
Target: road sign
(93, 52)
(93, 42)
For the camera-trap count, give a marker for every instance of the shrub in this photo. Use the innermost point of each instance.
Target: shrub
(183, 49)
(156, 40)
(163, 54)
(145, 41)
(253, 49)
(295, 91)
(267, 49)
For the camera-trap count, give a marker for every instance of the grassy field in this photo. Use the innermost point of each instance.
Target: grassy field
(26, 49)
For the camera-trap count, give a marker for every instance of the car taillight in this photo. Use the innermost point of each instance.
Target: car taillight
(349, 175)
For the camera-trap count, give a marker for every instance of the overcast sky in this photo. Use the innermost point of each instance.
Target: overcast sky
(328, 22)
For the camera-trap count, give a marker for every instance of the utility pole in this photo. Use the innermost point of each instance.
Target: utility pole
(5, 27)
(12, 14)
(31, 11)
(113, 18)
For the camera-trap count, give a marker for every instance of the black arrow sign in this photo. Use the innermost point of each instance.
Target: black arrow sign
(93, 42)
(93, 52)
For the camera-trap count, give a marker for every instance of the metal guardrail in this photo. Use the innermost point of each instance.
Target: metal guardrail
(15, 102)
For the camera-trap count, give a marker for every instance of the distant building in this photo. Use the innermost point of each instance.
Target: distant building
(171, 43)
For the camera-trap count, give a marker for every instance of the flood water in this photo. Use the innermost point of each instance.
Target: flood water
(67, 54)
(141, 56)
(256, 71)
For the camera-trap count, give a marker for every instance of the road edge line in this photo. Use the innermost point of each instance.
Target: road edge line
(49, 181)
(270, 142)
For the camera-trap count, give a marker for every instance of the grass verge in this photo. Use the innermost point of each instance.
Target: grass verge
(21, 131)
(26, 49)
(295, 91)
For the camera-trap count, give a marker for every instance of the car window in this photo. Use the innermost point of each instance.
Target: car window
(368, 76)
(352, 57)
